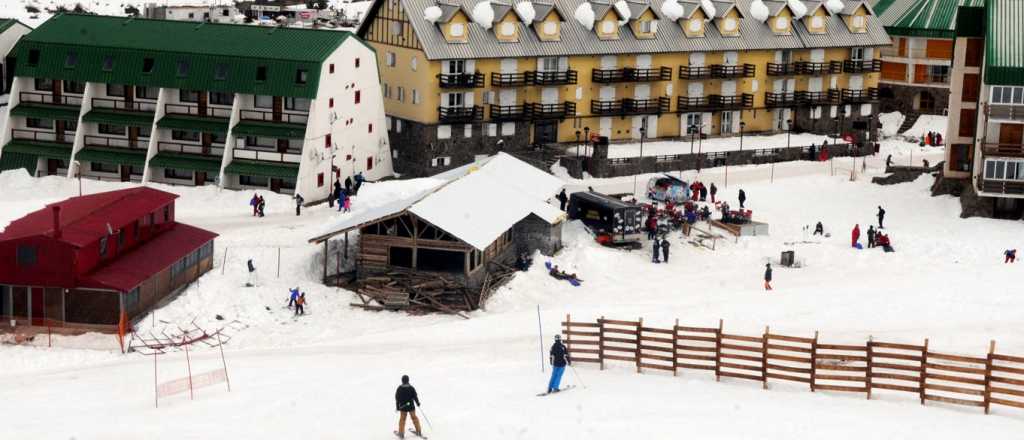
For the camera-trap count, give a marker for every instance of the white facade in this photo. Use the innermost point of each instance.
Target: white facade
(8, 39)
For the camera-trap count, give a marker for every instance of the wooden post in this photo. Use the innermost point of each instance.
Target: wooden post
(223, 362)
(326, 253)
(188, 363)
(639, 342)
(764, 358)
(814, 359)
(924, 369)
(225, 262)
(600, 341)
(279, 261)
(718, 352)
(988, 375)
(675, 348)
(867, 374)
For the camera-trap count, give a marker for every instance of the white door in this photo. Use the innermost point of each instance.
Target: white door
(731, 58)
(695, 90)
(728, 88)
(609, 62)
(689, 120)
(606, 127)
(643, 61)
(727, 119)
(547, 64)
(652, 126)
(607, 93)
(814, 84)
(452, 99)
(833, 82)
(778, 85)
(697, 59)
(783, 56)
(469, 99)
(706, 120)
(509, 65)
(817, 55)
(789, 85)
(869, 53)
(507, 97)
(856, 82)
(454, 66)
(563, 64)
(638, 123)
(642, 91)
(549, 95)
(857, 53)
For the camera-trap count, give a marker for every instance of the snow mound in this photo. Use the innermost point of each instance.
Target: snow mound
(672, 10)
(708, 7)
(526, 12)
(432, 14)
(834, 6)
(891, 123)
(585, 15)
(798, 7)
(759, 11)
(623, 9)
(926, 123)
(483, 14)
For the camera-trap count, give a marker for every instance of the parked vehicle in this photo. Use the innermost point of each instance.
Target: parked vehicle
(614, 222)
(667, 189)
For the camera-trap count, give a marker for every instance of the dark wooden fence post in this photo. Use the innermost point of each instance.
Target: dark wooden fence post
(764, 358)
(568, 336)
(814, 359)
(600, 341)
(675, 348)
(718, 352)
(639, 342)
(924, 369)
(867, 374)
(988, 375)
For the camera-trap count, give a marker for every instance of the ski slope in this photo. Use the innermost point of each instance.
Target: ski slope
(332, 374)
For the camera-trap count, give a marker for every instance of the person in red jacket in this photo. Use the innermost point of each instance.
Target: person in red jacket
(855, 235)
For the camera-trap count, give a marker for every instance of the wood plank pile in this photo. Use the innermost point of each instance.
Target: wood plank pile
(415, 293)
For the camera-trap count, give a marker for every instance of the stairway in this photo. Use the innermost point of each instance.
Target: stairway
(908, 122)
(543, 158)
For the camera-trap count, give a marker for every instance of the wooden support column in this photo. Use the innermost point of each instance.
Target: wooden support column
(639, 343)
(675, 348)
(764, 358)
(814, 359)
(718, 352)
(924, 369)
(988, 375)
(867, 374)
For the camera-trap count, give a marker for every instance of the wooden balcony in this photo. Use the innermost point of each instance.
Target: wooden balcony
(780, 99)
(731, 102)
(216, 150)
(1005, 150)
(556, 78)
(122, 105)
(537, 111)
(48, 98)
(829, 97)
(650, 106)
(694, 72)
(631, 74)
(116, 142)
(460, 114)
(508, 79)
(862, 66)
(271, 116)
(1004, 112)
(1001, 186)
(851, 96)
(740, 71)
(506, 113)
(823, 68)
(612, 107)
(775, 69)
(686, 104)
(460, 80)
(195, 110)
(68, 137)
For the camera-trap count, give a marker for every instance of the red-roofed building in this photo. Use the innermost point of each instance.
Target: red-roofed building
(85, 261)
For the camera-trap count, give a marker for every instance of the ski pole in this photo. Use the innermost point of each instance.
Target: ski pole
(431, 426)
(574, 373)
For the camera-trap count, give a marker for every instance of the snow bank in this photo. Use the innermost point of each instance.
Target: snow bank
(798, 7)
(672, 10)
(891, 123)
(834, 6)
(624, 11)
(432, 14)
(926, 123)
(709, 8)
(483, 14)
(526, 12)
(759, 11)
(585, 15)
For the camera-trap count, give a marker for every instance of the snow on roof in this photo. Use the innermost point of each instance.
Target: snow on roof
(475, 203)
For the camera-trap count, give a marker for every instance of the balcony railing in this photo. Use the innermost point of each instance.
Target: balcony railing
(460, 114)
(461, 80)
(537, 111)
(194, 110)
(1002, 186)
(555, 78)
(118, 104)
(823, 68)
(731, 102)
(116, 142)
(780, 99)
(43, 136)
(862, 66)
(919, 53)
(49, 98)
(694, 72)
(508, 79)
(651, 106)
(776, 69)
(994, 149)
(686, 104)
(830, 97)
(631, 74)
(1004, 112)
(175, 147)
(291, 156)
(286, 117)
(503, 113)
(850, 96)
(740, 71)
(598, 107)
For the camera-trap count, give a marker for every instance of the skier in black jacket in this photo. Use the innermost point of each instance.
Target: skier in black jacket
(743, 198)
(562, 199)
(559, 359)
(406, 402)
(881, 217)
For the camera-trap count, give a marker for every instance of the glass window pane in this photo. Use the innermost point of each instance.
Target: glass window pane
(990, 169)
(1000, 169)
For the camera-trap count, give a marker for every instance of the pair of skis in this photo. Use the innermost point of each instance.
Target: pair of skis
(417, 434)
(559, 391)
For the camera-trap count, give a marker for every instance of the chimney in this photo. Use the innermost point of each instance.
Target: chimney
(56, 222)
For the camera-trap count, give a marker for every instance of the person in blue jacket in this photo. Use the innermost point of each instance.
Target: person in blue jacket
(294, 296)
(559, 359)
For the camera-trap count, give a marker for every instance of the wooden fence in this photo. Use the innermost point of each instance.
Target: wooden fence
(869, 368)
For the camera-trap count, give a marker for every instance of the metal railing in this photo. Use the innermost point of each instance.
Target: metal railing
(460, 80)
(1007, 112)
(781, 99)
(537, 111)
(547, 78)
(194, 110)
(286, 117)
(49, 98)
(119, 104)
(776, 69)
(732, 102)
(729, 71)
(829, 97)
(694, 72)
(631, 74)
(508, 79)
(851, 96)
(43, 136)
(267, 156)
(918, 53)
(196, 149)
(116, 142)
(1001, 149)
(650, 106)
(818, 68)
(862, 66)
(686, 104)
(460, 114)
(503, 113)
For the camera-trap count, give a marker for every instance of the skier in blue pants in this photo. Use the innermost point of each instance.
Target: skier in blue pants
(559, 359)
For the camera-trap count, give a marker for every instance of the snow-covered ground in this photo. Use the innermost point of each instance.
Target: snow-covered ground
(332, 373)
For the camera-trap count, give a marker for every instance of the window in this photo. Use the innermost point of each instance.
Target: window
(71, 60)
(301, 76)
(115, 90)
(147, 92)
(370, 128)
(330, 67)
(101, 167)
(146, 132)
(112, 129)
(220, 72)
(301, 104)
(960, 157)
(108, 63)
(330, 103)
(147, 65)
(969, 91)
(401, 94)
(253, 181)
(182, 69)
(857, 54)
(167, 214)
(415, 96)
(185, 135)
(221, 98)
(44, 84)
(440, 261)
(26, 255)
(645, 26)
(327, 141)
(357, 65)
(263, 101)
(70, 126)
(455, 100)
(967, 122)
(74, 87)
(261, 73)
(218, 138)
(457, 66)
(188, 96)
(386, 90)
(693, 122)
(413, 64)
(39, 123)
(175, 173)
(33, 57)
(441, 161)
(975, 50)
(319, 180)
(939, 74)
(103, 247)
(135, 170)
(260, 141)
(369, 163)
(357, 97)
(1007, 95)
(390, 59)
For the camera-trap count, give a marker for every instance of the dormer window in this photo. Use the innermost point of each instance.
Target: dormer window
(858, 21)
(729, 24)
(71, 60)
(507, 29)
(608, 27)
(457, 29)
(817, 21)
(781, 23)
(694, 25)
(646, 26)
(550, 28)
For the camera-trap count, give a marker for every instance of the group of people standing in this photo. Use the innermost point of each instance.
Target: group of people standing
(875, 237)
(258, 204)
(699, 192)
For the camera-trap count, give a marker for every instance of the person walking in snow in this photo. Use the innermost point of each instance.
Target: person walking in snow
(657, 248)
(254, 202)
(819, 229)
(714, 190)
(881, 217)
(342, 197)
(335, 193)
(298, 204)
(300, 304)
(293, 294)
(871, 236)
(855, 235)
(1011, 256)
(768, 276)
(359, 182)
(348, 204)
(261, 205)
(559, 358)
(743, 198)
(652, 227)
(664, 249)
(252, 274)
(703, 193)
(810, 152)
(406, 401)
(348, 184)
(562, 199)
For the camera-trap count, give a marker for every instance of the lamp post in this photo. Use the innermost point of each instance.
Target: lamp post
(742, 125)
(700, 146)
(586, 141)
(577, 144)
(78, 172)
(693, 132)
(643, 133)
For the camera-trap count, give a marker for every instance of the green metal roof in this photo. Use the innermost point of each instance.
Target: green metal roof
(12, 161)
(115, 117)
(1004, 43)
(208, 47)
(204, 124)
(120, 156)
(921, 18)
(46, 111)
(192, 162)
(279, 130)
(49, 150)
(264, 169)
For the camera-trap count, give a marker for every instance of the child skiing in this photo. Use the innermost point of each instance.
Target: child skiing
(300, 303)
(406, 401)
(664, 249)
(298, 204)
(1011, 256)
(855, 235)
(293, 296)
(559, 359)
(768, 276)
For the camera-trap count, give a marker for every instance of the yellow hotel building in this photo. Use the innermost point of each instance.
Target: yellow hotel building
(469, 77)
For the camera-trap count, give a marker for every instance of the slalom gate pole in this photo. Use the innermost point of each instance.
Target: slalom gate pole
(426, 418)
(574, 373)
(540, 338)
